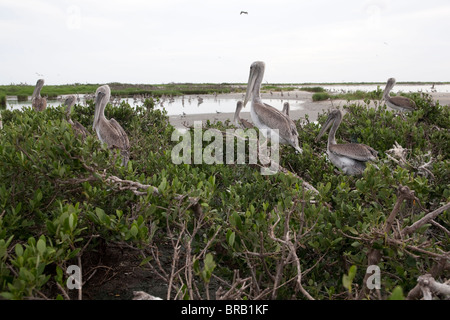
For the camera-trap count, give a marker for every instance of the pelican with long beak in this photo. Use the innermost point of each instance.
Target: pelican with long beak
(77, 127)
(398, 102)
(37, 102)
(109, 131)
(238, 121)
(351, 158)
(268, 119)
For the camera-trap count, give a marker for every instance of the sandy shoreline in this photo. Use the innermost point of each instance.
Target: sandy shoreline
(310, 108)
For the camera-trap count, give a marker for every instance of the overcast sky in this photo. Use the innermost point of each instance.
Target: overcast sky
(153, 42)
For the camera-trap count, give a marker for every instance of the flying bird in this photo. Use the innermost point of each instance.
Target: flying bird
(244, 12)
(269, 120)
(37, 102)
(351, 158)
(109, 131)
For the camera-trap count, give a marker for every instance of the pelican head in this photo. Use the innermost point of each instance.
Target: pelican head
(335, 115)
(69, 102)
(102, 97)
(38, 88)
(254, 80)
(389, 85)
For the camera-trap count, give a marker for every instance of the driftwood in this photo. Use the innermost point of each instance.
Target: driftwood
(428, 285)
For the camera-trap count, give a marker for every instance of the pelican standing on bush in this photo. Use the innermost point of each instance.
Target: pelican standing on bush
(109, 131)
(78, 128)
(37, 102)
(238, 121)
(351, 158)
(266, 117)
(398, 102)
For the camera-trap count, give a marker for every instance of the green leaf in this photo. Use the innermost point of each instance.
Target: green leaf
(71, 221)
(231, 235)
(41, 246)
(134, 231)
(397, 294)
(18, 249)
(348, 279)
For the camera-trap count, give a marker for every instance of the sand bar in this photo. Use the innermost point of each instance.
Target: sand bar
(310, 108)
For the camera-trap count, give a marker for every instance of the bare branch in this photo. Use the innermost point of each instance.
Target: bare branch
(430, 216)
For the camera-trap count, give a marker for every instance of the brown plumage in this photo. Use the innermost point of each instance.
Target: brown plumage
(37, 102)
(265, 117)
(109, 131)
(238, 121)
(351, 158)
(77, 127)
(399, 103)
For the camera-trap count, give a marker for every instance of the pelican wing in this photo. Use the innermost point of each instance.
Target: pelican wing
(121, 134)
(245, 124)
(78, 127)
(403, 102)
(356, 151)
(39, 103)
(274, 119)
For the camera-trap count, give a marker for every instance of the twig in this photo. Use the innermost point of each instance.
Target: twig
(403, 193)
(430, 216)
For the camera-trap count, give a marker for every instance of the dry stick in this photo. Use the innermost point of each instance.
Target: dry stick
(292, 252)
(427, 282)
(403, 193)
(374, 255)
(430, 216)
(435, 272)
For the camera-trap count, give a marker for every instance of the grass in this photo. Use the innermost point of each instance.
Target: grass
(119, 89)
(349, 96)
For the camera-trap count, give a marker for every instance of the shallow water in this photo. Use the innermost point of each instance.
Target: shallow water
(209, 104)
(180, 105)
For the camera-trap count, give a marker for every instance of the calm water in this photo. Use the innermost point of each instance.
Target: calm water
(210, 104)
(179, 105)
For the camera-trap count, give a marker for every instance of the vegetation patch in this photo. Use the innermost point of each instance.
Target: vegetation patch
(205, 231)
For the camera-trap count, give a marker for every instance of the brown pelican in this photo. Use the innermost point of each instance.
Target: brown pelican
(109, 131)
(286, 108)
(37, 102)
(351, 158)
(265, 116)
(238, 122)
(78, 128)
(398, 102)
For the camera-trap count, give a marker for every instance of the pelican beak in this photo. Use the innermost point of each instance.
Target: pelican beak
(325, 127)
(98, 100)
(250, 85)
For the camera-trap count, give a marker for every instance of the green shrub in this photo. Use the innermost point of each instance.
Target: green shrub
(219, 225)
